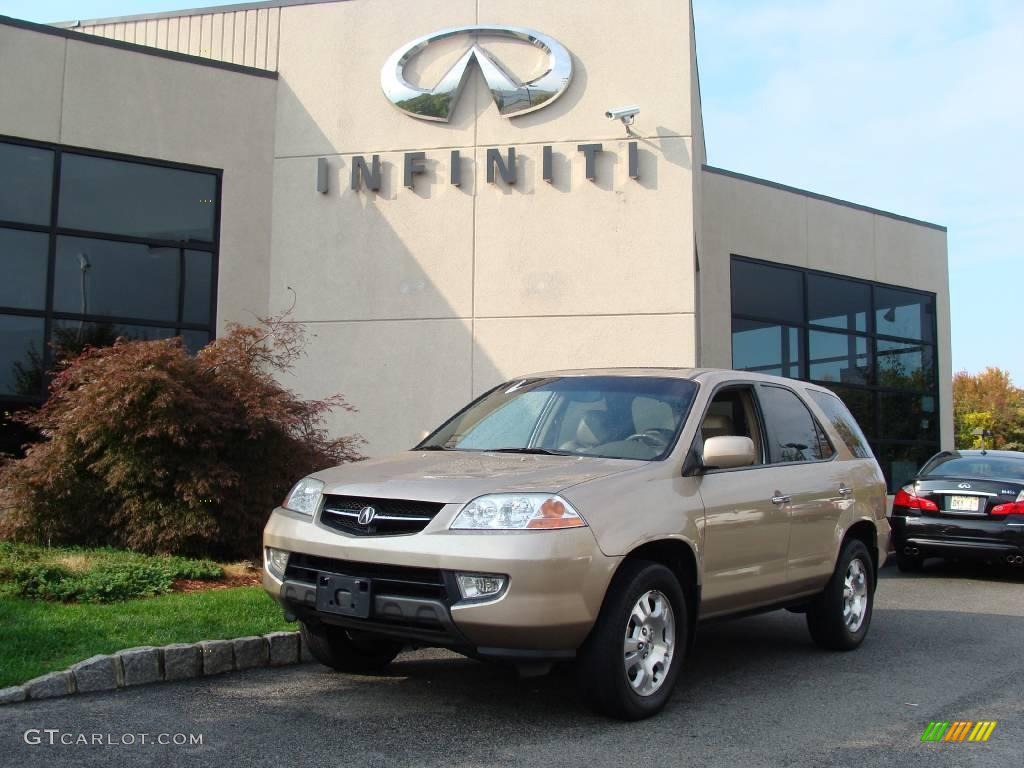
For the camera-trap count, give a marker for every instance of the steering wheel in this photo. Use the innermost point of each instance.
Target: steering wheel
(654, 436)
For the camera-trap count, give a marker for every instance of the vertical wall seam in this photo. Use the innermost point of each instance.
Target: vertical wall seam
(63, 90)
(472, 271)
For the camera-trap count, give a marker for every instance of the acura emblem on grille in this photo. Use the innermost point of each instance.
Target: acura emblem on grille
(366, 515)
(964, 485)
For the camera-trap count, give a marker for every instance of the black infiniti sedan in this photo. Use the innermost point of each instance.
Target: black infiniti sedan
(962, 504)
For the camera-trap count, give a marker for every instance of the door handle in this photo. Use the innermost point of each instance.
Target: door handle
(845, 490)
(779, 499)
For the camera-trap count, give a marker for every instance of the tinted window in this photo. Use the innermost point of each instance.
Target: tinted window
(905, 365)
(766, 348)
(792, 432)
(905, 314)
(26, 178)
(838, 303)
(843, 423)
(134, 199)
(72, 336)
(769, 293)
(974, 466)
(102, 277)
(839, 357)
(198, 286)
(23, 257)
(900, 463)
(21, 356)
(908, 417)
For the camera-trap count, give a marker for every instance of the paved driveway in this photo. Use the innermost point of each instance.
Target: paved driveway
(945, 645)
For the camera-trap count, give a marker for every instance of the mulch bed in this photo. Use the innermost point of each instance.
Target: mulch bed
(228, 582)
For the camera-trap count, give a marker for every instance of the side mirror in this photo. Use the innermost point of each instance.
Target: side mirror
(728, 452)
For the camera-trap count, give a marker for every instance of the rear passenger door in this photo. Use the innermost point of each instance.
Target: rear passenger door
(809, 484)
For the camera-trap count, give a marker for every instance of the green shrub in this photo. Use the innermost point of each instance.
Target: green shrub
(148, 448)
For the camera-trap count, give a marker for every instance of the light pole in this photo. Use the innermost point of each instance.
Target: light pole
(982, 433)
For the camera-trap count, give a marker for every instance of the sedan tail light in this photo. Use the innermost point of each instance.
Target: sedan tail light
(1012, 508)
(905, 497)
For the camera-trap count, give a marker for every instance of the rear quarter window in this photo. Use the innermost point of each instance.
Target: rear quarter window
(843, 423)
(794, 433)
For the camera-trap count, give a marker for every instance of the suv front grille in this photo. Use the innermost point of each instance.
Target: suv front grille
(400, 580)
(390, 516)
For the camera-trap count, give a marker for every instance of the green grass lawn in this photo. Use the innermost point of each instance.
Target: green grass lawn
(38, 636)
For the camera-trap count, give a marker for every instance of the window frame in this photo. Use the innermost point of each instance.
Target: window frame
(54, 232)
(818, 428)
(693, 463)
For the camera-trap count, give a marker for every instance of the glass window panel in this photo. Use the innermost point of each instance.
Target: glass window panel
(838, 303)
(792, 431)
(766, 348)
(195, 340)
(839, 357)
(101, 277)
(27, 174)
(900, 463)
(908, 417)
(23, 257)
(905, 365)
(198, 281)
(772, 293)
(861, 403)
(844, 424)
(135, 199)
(904, 314)
(72, 336)
(21, 356)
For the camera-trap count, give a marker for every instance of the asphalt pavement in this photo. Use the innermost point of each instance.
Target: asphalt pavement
(947, 644)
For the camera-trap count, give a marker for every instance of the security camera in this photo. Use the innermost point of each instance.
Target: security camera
(625, 114)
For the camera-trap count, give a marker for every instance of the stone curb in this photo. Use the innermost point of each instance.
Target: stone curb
(151, 664)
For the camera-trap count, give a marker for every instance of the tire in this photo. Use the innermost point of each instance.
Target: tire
(909, 563)
(349, 650)
(835, 624)
(634, 688)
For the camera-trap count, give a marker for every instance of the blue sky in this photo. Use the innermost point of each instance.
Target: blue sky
(912, 106)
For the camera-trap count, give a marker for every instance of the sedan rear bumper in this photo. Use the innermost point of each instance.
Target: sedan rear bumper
(983, 538)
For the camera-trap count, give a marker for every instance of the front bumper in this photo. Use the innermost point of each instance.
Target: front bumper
(556, 583)
(947, 536)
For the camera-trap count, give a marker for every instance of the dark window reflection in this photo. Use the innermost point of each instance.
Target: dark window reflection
(134, 199)
(102, 277)
(766, 348)
(908, 417)
(23, 268)
(26, 179)
(861, 404)
(198, 284)
(195, 340)
(901, 462)
(905, 365)
(838, 303)
(839, 357)
(772, 293)
(904, 314)
(70, 337)
(793, 434)
(21, 356)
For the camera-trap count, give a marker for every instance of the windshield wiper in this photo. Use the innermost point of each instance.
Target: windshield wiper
(543, 451)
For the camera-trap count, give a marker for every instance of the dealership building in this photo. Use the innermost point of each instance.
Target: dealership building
(436, 188)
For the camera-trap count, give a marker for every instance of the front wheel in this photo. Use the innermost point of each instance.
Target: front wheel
(839, 617)
(349, 650)
(632, 659)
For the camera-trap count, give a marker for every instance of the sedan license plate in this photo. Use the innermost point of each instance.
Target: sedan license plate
(343, 595)
(963, 503)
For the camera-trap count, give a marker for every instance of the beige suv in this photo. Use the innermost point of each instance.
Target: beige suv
(592, 515)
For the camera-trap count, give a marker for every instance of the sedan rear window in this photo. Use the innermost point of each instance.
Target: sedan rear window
(620, 417)
(956, 465)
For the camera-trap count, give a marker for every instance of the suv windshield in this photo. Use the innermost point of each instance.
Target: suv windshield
(977, 467)
(620, 417)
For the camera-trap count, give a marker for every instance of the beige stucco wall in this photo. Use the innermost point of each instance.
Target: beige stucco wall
(746, 218)
(81, 94)
(421, 298)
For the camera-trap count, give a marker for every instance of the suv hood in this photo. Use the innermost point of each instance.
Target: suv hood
(456, 477)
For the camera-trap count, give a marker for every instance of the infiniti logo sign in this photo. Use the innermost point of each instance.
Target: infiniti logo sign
(964, 485)
(511, 96)
(366, 515)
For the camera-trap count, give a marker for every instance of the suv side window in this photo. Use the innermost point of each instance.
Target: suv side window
(843, 422)
(732, 412)
(793, 433)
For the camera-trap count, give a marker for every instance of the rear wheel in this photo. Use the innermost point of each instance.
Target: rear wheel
(348, 650)
(839, 617)
(632, 659)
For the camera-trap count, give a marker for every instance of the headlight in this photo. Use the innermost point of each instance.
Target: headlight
(305, 496)
(517, 511)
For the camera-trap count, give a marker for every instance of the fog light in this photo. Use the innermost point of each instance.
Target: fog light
(477, 585)
(277, 562)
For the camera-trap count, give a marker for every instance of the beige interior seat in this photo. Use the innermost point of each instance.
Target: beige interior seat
(716, 425)
(593, 430)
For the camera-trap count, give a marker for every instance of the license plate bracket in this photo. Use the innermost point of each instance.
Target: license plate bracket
(344, 595)
(963, 503)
